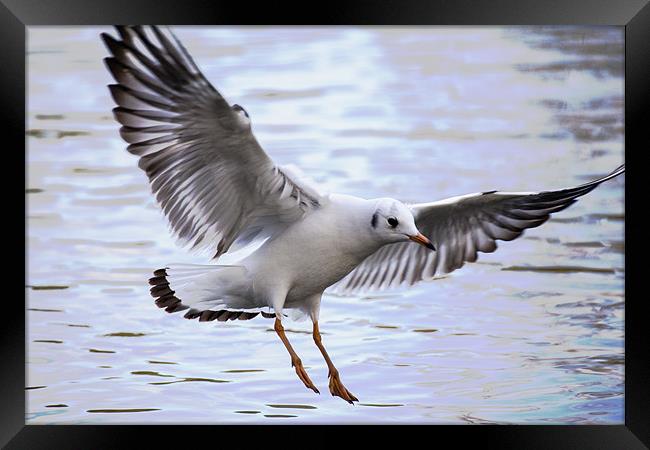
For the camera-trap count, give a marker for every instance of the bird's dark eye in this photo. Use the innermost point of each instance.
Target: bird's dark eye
(392, 222)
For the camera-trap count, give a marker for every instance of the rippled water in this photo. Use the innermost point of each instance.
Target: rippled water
(532, 333)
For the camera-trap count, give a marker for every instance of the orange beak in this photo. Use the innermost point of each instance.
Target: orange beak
(422, 240)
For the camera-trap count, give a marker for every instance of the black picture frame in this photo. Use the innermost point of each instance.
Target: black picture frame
(634, 15)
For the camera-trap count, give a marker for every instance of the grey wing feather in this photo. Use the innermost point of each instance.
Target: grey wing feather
(208, 172)
(459, 228)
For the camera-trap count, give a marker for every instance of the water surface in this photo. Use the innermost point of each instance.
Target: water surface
(532, 333)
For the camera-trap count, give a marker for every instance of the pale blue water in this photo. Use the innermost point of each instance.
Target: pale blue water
(414, 113)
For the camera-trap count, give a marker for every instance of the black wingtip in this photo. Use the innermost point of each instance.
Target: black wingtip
(620, 169)
(109, 42)
(116, 91)
(616, 172)
(123, 31)
(161, 272)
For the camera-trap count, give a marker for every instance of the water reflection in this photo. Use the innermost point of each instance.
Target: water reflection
(530, 334)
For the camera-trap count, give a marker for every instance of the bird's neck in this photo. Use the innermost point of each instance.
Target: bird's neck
(352, 218)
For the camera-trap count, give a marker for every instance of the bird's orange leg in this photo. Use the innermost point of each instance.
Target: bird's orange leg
(336, 387)
(295, 360)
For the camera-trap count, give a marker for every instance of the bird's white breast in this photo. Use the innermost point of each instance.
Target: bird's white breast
(317, 251)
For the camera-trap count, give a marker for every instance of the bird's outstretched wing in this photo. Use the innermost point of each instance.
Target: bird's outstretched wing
(214, 182)
(459, 228)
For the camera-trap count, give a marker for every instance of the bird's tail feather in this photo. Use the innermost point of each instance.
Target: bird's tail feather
(208, 293)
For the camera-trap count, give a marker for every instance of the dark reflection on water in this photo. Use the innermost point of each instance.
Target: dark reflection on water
(597, 50)
(186, 380)
(126, 410)
(532, 333)
(47, 288)
(292, 406)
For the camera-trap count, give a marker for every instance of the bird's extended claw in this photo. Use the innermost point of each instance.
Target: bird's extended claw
(302, 374)
(337, 389)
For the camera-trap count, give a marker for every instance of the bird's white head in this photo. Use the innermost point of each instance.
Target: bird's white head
(393, 221)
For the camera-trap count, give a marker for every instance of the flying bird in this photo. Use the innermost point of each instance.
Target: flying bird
(221, 192)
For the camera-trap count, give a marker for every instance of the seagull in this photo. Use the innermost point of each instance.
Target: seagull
(221, 192)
